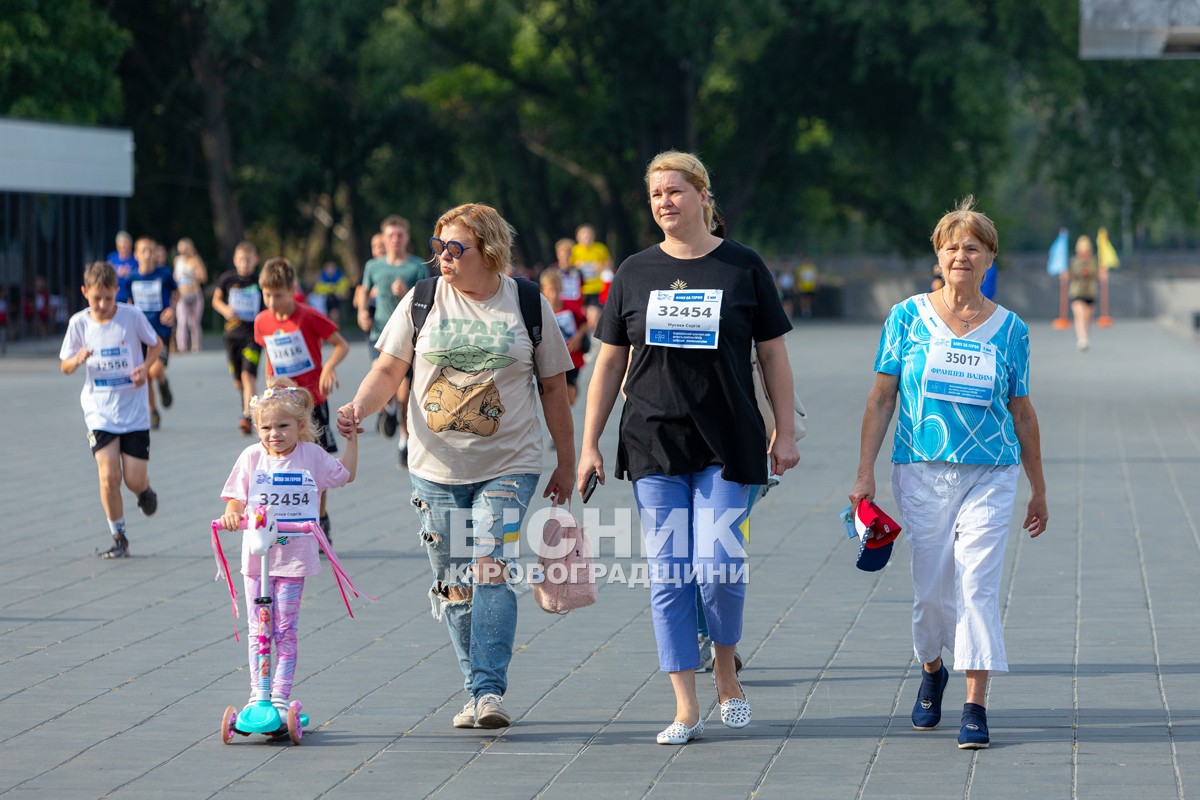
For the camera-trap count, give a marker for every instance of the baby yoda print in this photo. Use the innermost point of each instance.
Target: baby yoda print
(464, 397)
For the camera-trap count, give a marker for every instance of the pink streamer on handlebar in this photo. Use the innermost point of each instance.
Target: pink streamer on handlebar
(339, 573)
(223, 569)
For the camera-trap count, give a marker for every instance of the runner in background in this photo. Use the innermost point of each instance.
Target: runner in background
(238, 299)
(595, 264)
(152, 289)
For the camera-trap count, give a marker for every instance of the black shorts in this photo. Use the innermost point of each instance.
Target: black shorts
(590, 300)
(162, 354)
(1091, 301)
(243, 355)
(572, 376)
(325, 436)
(134, 443)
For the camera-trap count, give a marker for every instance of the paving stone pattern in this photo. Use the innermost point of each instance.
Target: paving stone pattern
(114, 675)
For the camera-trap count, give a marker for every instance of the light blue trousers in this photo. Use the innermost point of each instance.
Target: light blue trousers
(695, 527)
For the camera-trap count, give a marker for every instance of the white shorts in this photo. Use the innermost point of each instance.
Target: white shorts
(957, 518)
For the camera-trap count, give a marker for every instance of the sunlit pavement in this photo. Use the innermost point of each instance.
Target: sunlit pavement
(114, 674)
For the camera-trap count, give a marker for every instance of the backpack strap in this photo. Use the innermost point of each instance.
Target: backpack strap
(422, 301)
(529, 297)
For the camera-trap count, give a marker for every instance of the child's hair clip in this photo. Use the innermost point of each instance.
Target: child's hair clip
(269, 393)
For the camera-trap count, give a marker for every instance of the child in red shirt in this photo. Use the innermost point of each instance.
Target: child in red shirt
(291, 335)
(571, 323)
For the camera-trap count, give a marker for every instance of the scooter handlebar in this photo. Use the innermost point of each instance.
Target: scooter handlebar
(260, 513)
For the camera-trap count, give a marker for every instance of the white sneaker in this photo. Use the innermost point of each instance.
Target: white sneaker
(489, 713)
(466, 717)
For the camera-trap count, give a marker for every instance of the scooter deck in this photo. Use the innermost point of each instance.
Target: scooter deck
(262, 717)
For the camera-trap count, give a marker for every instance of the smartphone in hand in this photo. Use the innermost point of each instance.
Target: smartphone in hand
(590, 487)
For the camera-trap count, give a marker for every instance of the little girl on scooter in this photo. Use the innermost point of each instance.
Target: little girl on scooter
(286, 471)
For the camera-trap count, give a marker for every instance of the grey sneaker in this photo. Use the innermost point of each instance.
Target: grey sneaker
(489, 713)
(119, 549)
(706, 653)
(388, 423)
(466, 717)
(147, 502)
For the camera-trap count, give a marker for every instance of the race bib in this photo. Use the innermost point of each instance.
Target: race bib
(566, 323)
(961, 371)
(147, 295)
(244, 303)
(688, 319)
(292, 495)
(109, 367)
(572, 286)
(289, 354)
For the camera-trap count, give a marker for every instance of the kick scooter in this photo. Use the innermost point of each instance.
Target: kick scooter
(259, 715)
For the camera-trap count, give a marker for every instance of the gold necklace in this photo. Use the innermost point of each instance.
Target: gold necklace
(966, 322)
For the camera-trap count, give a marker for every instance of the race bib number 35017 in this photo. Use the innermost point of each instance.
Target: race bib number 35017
(961, 371)
(687, 318)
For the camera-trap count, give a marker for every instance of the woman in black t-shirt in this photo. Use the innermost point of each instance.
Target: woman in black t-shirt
(692, 440)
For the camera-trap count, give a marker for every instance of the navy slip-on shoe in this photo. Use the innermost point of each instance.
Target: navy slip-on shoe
(974, 732)
(927, 711)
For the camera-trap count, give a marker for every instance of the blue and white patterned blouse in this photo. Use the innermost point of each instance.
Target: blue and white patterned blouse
(932, 429)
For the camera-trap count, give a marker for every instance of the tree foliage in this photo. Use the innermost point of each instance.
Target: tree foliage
(58, 61)
(817, 118)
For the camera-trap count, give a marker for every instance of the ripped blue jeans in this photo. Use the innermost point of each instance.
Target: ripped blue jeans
(460, 522)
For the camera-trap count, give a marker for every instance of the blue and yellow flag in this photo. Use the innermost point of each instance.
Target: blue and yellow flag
(1105, 252)
(1057, 262)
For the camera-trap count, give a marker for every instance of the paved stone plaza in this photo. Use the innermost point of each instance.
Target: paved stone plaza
(114, 675)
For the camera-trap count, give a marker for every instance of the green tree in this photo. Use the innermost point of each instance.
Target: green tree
(816, 110)
(819, 119)
(58, 61)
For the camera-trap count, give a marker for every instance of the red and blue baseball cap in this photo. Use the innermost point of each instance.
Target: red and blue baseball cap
(876, 532)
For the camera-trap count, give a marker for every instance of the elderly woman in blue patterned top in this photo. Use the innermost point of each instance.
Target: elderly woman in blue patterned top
(959, 365)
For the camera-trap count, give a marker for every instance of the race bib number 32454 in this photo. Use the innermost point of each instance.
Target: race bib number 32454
(688, 318)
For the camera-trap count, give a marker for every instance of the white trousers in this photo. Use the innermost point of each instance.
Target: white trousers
(957, 518)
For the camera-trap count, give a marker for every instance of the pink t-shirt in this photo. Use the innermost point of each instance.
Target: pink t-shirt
(292, 486)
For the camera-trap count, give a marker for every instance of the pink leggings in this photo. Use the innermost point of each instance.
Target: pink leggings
(188, 312)
(286, 614)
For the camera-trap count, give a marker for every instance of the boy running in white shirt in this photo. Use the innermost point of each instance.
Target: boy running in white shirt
(106, 340)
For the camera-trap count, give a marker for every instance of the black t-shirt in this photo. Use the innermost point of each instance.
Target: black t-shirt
(688, 409)
(230, 280)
